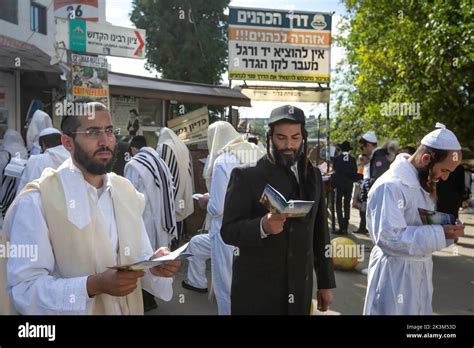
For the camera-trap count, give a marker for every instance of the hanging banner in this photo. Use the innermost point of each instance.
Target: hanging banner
(89, 78)
(191, 127)
(288, 95)
(289, 46)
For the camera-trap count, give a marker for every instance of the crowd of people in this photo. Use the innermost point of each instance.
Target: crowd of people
(89, 200)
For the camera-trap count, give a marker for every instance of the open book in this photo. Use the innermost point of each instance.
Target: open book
(178, 254)
(277, 204)
(429, 217)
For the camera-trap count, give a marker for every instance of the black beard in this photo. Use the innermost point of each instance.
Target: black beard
(424, 176)
(92, 165)
(285, 160)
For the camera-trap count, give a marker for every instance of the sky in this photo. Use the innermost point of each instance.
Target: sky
(117, 13)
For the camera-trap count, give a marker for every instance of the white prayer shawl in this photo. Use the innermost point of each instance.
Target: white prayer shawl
(159, 194)
(39, 121)
(222, 137)
(14, 144)
(51, 158)
(178, 159)
(400, 266)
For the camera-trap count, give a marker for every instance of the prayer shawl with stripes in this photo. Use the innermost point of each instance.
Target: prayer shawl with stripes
(159, 194)
(178, 159)
(8, 184)
(13, 146)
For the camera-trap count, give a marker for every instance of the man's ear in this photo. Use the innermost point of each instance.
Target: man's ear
(67, 142)
(425, 159)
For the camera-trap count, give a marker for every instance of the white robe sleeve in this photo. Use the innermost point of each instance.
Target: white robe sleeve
(158, 286)
(223, 167)
(32, 171)
(32, 285)
(215, 206)
(387, 224)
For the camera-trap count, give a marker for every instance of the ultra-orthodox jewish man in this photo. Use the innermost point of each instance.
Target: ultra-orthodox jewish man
(400, 266)
(82, 220)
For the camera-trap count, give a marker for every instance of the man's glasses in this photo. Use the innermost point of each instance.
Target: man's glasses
(95, 133)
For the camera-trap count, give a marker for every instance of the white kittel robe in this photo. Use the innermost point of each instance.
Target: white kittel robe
(36, 285)
(51, 158)
(150, 175)
(400, 266)
(227, 150)
(39, 122)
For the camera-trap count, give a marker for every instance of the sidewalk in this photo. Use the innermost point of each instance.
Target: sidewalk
(453, 281)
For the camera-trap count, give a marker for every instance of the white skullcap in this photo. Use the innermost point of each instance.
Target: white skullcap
(441, 138)
(370, 137)
(48, 131)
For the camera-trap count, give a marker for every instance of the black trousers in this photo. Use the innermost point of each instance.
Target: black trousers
(362, 225)
(343, 206)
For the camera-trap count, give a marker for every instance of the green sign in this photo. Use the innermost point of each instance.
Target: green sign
(77, 35)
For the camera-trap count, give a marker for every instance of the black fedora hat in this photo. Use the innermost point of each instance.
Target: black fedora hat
(345, 146)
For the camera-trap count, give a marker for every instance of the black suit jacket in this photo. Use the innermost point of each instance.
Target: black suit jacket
(345, 171)
(274, 275)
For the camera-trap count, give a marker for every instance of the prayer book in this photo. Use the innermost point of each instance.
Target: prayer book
(178, 254)
(429, 217)
(277, 204)
(16, 167)
(197, 196)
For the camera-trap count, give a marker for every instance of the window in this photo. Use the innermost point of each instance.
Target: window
(9, 11)
(38, 18)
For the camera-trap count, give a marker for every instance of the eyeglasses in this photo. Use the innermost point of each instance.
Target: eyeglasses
(95, 133)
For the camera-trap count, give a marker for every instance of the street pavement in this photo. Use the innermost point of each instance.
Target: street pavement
(453, 281)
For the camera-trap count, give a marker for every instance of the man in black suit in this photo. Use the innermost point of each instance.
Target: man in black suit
(345, 173)
(275, 255)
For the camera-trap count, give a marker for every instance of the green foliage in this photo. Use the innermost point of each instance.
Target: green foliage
(186, 40)
(406, 52)
(258, 129)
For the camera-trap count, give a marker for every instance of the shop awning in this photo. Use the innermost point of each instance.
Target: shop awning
(185, 92)
(15, 54)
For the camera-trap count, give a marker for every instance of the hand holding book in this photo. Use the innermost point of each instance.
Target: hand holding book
(276, 203)
(453, 229)
(178, 254)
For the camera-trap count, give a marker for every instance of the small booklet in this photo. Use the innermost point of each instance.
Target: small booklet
(277, 204)
(429, 217)
(197, 196)
(16, 167)
(178, 254)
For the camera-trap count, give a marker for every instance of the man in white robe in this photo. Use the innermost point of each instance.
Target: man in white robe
(401, 266)
(150, 175)
(39, 120)
(227, 150)
(52, 156)
(82, 220)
